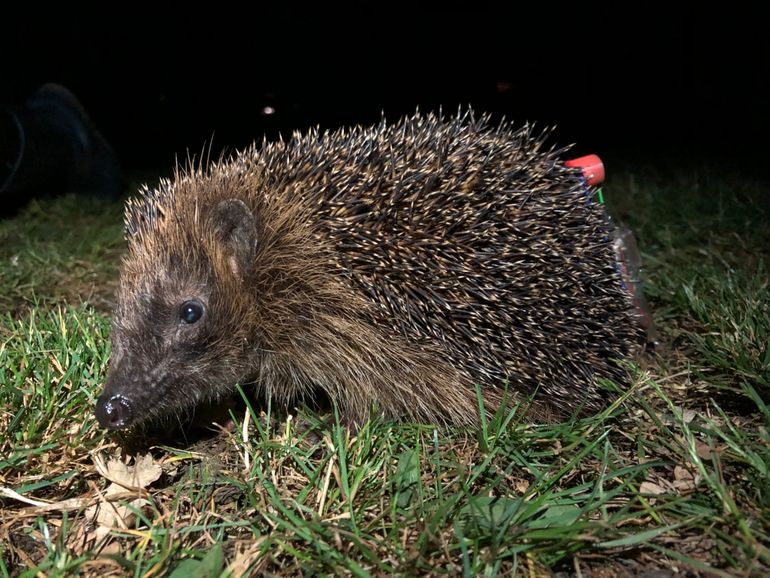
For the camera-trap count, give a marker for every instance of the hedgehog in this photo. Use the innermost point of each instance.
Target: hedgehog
(401, 268)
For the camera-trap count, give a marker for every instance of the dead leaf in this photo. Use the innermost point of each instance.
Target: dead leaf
(138, 476)
(688, 415)
(245, 556)
(704, 450)
(684, 479)
(651, 488)
(123, 476)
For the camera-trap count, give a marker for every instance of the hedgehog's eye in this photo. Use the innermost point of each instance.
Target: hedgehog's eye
(190, 311)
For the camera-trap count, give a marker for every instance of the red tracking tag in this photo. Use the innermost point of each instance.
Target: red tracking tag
(592, 167)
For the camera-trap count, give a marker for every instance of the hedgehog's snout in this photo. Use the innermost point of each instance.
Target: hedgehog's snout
(114, 412)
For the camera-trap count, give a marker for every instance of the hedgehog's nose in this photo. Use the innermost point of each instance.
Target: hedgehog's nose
(113, 412)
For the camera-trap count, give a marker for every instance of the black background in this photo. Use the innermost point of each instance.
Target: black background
(628, 80)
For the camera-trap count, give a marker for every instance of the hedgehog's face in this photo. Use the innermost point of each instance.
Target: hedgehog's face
(178, 333)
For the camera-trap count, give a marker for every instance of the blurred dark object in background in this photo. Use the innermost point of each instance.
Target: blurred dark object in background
(49, 146)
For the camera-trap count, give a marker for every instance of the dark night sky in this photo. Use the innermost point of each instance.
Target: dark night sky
(646, 80)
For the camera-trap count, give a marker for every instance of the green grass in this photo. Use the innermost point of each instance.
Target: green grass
(60, 251)
(673, 476)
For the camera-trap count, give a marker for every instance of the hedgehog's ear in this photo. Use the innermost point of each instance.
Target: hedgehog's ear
(236, 227)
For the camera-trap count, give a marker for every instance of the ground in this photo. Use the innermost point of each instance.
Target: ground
(670, 480)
